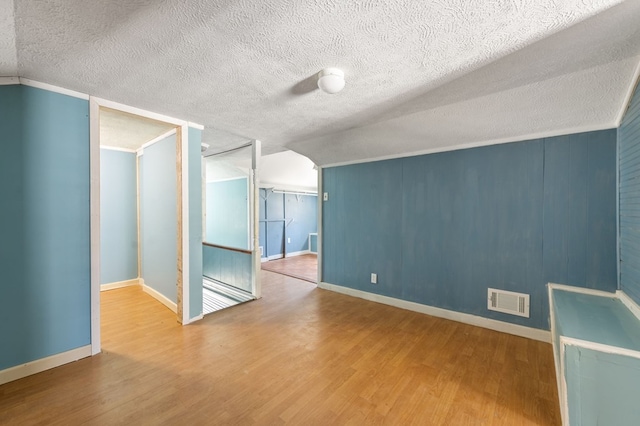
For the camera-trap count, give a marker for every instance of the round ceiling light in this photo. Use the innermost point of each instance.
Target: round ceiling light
(331, 80)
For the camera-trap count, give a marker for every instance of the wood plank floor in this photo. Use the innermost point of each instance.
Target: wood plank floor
(304, 267)
(300, 355)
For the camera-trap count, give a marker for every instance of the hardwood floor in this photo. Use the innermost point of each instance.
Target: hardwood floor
(304, 267)
(300, 355)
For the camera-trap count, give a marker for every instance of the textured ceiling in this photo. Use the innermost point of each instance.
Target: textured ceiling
(8, 56)
(420, 75)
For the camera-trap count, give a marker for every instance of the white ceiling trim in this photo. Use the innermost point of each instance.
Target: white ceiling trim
(627, 100)
(9, 81)
(138, 111)
(52, 88)
(524, 138)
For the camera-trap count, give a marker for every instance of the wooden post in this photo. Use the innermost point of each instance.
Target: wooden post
(179, 284)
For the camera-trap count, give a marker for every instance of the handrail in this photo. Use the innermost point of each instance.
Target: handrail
(227, 248)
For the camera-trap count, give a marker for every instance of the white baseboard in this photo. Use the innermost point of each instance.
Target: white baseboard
(119, 284)
(504, 327)
(298, 253)
(292, 254)
(40, 365)
(159, 297)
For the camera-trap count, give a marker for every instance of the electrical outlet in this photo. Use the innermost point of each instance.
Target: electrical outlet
(325, 197)
(288, 240)
(374, 278)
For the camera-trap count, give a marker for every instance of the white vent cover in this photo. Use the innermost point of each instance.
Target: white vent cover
(508, 302)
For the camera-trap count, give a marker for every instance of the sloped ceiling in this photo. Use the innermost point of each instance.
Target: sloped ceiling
(421, 76)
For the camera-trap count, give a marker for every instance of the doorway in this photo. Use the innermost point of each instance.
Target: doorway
(141, 234)
(229, 276)
(289, 215)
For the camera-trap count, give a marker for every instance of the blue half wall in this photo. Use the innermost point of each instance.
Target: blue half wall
(440, 229)
(45, 304)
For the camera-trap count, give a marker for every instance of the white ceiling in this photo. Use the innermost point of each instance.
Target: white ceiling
(421, 76)
(288, 170)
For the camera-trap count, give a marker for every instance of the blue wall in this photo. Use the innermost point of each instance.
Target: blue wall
(45, 305)
(284, 216)
(439, 229)
(195, 223)
(228, 213)
(301, 212)
(118, 216)
(629, 148)
(158, 217)
(227, 266)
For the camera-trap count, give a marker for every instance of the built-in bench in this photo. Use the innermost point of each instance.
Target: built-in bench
(596, 345)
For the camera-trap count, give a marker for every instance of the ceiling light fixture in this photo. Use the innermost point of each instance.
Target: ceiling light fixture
(331, 80)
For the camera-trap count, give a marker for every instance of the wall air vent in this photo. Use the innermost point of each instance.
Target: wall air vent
(508, 302)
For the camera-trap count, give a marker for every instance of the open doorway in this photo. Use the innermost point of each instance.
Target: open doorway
(289, 215)
(228, 261)
(138, 199)
(145, 188)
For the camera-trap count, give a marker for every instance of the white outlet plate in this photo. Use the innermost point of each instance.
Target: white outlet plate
(374, 278)
(325, 196)
(288, 240)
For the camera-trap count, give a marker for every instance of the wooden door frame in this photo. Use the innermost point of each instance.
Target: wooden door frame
(182, 205)
(254, 209)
